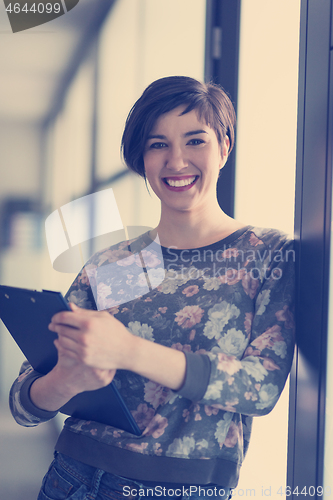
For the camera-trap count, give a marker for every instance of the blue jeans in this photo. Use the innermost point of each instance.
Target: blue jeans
(68, 479)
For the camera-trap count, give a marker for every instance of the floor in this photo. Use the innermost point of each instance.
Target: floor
(25, 455)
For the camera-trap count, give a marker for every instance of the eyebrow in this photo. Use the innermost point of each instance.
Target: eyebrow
(156, 137)
(191, 132)
(194, 132)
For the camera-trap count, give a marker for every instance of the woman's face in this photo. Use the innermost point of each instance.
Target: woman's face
(182, 160)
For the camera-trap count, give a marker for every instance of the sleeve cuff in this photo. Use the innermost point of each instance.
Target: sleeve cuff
(26, 400)
(196, 378)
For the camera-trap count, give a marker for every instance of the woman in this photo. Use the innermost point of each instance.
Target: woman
(197, 356)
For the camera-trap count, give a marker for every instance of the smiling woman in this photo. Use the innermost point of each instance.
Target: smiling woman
(212, 105)
(183, 164)
(179, 135)
(195, 358)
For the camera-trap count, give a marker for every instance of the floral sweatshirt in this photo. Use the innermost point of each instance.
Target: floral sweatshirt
(228, 307)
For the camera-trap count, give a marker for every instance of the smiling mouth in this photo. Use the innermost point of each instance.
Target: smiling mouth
(174, 182)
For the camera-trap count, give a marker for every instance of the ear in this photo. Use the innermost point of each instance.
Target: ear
(225, 152)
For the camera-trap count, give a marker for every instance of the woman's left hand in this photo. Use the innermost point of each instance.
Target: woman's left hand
(96, 338)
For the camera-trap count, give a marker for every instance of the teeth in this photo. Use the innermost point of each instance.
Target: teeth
(181, 183)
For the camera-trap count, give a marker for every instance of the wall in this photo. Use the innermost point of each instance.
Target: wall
(267, 110)
(20, 158)
(265, 183)
(19, 166)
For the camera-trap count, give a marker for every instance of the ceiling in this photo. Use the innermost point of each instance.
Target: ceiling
(33, 62)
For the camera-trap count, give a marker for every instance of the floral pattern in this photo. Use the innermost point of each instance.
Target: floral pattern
(189, 316)
(144, 331)
(234, 307)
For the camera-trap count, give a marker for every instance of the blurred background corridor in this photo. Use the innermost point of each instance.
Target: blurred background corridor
(25, 456)
(65, 90)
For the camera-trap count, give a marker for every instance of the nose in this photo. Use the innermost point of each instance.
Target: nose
(176, 159)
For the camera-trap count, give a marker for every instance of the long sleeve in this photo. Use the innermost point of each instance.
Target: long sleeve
(23, 410)
(251, 384)
(21, 406)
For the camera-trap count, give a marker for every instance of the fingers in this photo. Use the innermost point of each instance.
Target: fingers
(90, 335)
(69, 358)
(75, 317)
(73, 320)
(71, 329)
(69, 322)
(65, 330)
(65, 345)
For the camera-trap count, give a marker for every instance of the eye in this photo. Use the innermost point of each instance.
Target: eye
(195, 142)
(157, 145)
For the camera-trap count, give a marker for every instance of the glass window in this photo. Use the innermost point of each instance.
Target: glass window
(70, 172)
(265, 183)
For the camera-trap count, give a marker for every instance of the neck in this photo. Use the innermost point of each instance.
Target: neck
(192, 230)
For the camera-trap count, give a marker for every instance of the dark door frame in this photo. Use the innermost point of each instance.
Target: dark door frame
(312, 233)
(221, 66)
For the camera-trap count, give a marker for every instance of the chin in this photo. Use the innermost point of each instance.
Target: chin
(181, 207)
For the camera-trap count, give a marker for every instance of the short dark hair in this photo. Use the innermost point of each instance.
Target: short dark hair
(209, 100)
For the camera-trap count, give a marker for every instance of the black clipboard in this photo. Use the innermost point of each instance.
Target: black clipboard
(27, 314)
